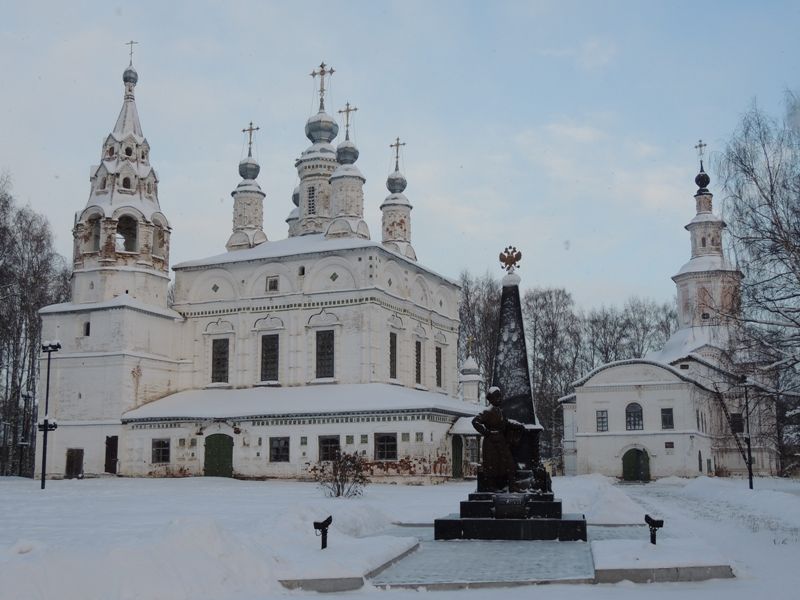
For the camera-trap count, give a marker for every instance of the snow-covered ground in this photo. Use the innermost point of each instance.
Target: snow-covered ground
(119, 539)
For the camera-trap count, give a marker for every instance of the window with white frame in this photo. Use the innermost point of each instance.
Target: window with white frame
(269, 357)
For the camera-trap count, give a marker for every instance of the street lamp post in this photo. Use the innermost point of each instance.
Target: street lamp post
(46, 426)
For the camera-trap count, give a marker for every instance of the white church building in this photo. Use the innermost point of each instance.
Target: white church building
(271, 356)
(671, 412)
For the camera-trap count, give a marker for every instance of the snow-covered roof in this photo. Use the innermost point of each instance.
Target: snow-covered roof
(121, 301)
(262, 402)
(636, 361)
(568, 399)
(348, 171)
(691, 339)
(296, 246)
(709, 262)
(463, 426)
(706, 217)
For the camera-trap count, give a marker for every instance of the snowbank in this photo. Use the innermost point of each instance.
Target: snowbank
(641, 554)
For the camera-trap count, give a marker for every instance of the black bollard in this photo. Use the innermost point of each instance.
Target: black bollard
(321, 528)
(654, 524)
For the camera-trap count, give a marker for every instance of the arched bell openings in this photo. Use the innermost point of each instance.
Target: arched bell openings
(127, 234)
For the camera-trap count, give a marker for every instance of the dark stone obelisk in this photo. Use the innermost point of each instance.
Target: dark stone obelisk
(511, 372)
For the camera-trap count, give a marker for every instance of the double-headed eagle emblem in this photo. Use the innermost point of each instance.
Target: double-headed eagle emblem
(510, 258)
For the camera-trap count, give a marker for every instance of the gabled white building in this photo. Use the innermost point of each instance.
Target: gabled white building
(274, 354)
(669, 413)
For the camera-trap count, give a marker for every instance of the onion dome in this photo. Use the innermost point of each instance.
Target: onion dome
(396, 183)
(130, 75)
(346, 152)
(702, 180)
(321, 127)
(470, 367)
(249, 168)
(296, 196)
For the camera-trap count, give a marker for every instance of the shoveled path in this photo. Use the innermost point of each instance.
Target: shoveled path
(472, 563)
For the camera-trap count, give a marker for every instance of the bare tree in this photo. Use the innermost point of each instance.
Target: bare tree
(480, 320)
(32, 275)
(760, 170)
(554, 335)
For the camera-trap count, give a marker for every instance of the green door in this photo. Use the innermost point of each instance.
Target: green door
(458, 457)
(636, 465)
(219, 456)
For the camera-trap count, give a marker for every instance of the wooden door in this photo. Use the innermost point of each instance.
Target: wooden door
(112, 442)
(636, 465)
(219, 456)
(74, 463)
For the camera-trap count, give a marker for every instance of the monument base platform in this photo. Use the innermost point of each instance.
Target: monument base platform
(511, 516)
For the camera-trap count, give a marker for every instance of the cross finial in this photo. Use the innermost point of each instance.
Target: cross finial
(700, 147)
(249, 131)
(322, 71)
(470, 341)
(346, 112)
(396, 147)
(131, 43)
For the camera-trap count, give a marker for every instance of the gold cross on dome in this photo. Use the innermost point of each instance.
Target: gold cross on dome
(131, 43)
(346, 112)
(700, 147)
(322, 71)
(396, 147)
(249, 131)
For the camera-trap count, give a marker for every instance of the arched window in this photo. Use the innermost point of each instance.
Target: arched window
(126, 183)
(312, 200)
(127, 230)
(703, 242)
(149, 188)
(101, 184)
(128, 151)
(633, 417)
(110, 151)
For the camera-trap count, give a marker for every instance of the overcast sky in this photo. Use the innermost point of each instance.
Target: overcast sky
(566, 129)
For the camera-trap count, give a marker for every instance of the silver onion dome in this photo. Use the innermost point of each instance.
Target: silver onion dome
(396, 183)
(346, 153)
(249, 168)
(321, 128)
(130, 75)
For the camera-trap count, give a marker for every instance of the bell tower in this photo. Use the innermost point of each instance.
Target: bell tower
(121, 238)
(708, 285)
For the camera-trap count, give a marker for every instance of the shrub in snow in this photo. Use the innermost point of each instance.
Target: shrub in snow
(345, 476)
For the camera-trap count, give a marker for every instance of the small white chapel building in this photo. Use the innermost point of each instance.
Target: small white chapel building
(670, 412)
(274, 354)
